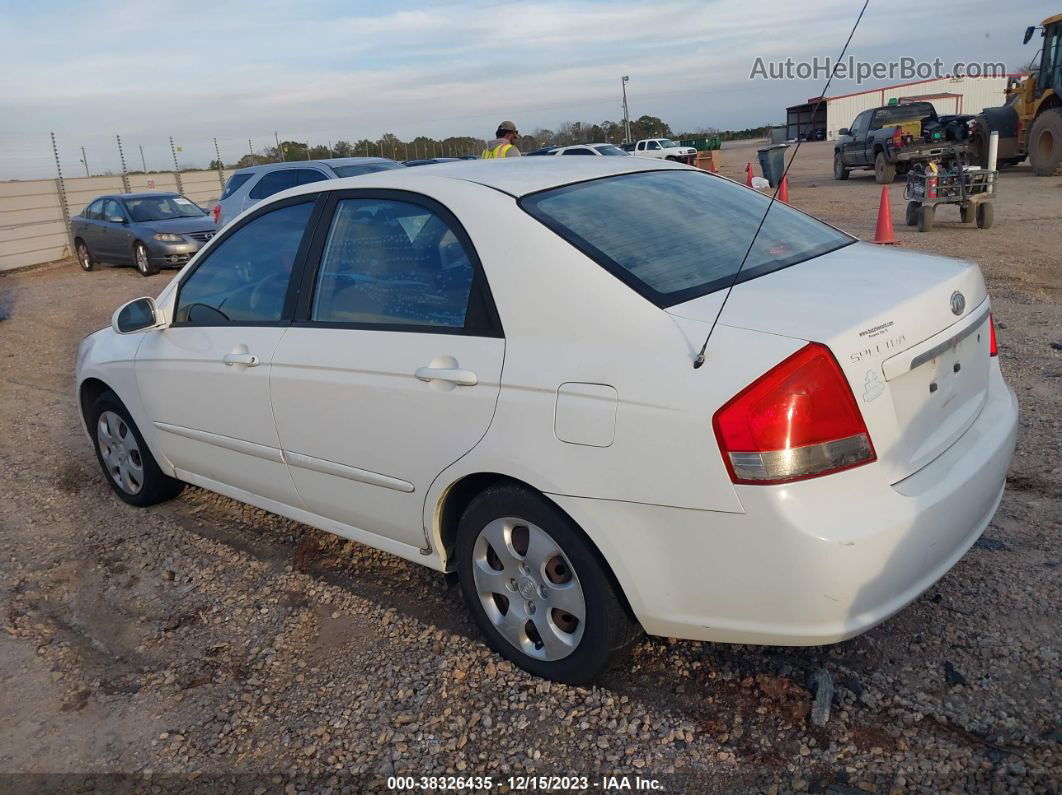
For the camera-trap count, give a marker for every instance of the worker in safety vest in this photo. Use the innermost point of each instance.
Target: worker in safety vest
(502, 145)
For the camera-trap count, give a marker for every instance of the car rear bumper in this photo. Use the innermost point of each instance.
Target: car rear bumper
(807, 563)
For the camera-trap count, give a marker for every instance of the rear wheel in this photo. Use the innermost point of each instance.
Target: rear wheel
(143, 260)
(84, 256)
(884, 171)
(1045, 143)
(926, 214)
(985, 215)
(538, 589)
(839, 171)
(125, 459)
(912, 213)
(964, 213)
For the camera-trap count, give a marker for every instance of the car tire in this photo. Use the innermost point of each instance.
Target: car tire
(884, 171)
(839, 171)
(124, 457)
(672, 159)
(926, 215)
(985, 215)
(912, 213)
(142, 260)
(84, 256)
(523, 564)
(1045, 143)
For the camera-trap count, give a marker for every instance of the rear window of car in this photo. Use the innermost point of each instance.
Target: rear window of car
(273, 182)
(611, 151)
(234, 184)
(356, 170)
(676, 235)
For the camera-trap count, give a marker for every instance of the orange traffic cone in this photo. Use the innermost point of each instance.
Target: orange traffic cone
(748, 175)
(711, 163)
(783, 190)
(884, 233)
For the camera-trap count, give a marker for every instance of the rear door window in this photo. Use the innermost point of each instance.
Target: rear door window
(94, 212)
(304, 176)
(273, 182)
(579, 151)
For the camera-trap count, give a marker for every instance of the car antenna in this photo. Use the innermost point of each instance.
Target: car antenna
(700, 354)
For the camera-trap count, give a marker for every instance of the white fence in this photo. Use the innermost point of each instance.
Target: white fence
(33, 228)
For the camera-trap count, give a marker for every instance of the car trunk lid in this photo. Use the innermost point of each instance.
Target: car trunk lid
(918, 368)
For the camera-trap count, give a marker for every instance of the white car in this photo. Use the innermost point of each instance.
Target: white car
(489, 368)
(594, 150)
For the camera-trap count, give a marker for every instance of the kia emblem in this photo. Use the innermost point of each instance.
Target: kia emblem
(958, 303)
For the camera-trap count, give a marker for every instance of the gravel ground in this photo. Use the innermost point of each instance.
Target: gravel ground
(207, 644)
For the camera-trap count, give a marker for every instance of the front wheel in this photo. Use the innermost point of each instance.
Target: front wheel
(884, 171)
(926, 214)
(912, 213)
(985, 215)
(126, 461)
(1045, 143)
(538, 589)
(84, 256)
(839, 171)
(143, 260)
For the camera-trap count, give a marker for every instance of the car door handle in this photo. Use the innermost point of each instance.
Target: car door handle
(246, 359)
(454, 375)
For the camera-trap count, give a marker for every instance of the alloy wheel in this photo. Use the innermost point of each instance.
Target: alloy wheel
(528, 589)
(142, 258)
(120, 452)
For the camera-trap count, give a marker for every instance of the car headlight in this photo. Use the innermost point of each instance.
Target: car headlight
(168, 237)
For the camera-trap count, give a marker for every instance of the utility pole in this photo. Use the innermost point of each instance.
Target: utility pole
(176, 167)
(143, 162)
(84, 160)
(626, 110)
(279, 150)
(125, 175)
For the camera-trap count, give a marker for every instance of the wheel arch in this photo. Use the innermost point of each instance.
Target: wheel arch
(90, 389)
(459, 495)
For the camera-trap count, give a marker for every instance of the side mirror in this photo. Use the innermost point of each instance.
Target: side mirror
(844, 131)
(135, 316)
(1029, 31)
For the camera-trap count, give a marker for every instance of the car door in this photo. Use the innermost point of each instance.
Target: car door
(88, 228)
(113, 233)
(392, 367)
(204, 379)
(852, 146)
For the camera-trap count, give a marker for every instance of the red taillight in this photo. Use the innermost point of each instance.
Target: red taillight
(799, 420)
(897, 137)
(992, 349)
(217, 212)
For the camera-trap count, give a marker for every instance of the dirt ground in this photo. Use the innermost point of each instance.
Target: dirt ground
(204, 644)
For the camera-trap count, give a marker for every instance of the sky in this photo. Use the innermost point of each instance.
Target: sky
(323, 70)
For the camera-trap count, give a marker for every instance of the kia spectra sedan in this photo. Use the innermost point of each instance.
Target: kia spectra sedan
(489, 368)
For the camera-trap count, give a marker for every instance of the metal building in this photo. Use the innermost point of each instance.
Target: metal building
(948, 95)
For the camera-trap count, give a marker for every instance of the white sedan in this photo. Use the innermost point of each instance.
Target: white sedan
(489, 368)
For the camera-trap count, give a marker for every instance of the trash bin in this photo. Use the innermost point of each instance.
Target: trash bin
(772, 162)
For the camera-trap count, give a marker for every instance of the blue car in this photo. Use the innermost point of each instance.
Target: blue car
(147, 230)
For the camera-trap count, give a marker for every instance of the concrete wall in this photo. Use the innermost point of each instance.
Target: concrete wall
(33, 229)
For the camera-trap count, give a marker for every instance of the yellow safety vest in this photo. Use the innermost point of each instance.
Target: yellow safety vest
(499, 151)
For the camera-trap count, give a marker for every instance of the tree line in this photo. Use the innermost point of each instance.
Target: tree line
(571, 132)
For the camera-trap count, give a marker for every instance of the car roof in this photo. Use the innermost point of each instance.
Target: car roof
(331, 162)
(141, 195)
(516, 176)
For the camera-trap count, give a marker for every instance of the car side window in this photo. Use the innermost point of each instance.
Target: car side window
(860, 123)
(94, 212)
(273, 182)
(304, 176)
(244, 279)
(395, 263)
(654, 145)
(111, 210)
(236, 181)
(577, 152)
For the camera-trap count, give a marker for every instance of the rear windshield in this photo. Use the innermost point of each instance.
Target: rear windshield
(364, 168)
(676, 235)
(611, 151)
(234, 183)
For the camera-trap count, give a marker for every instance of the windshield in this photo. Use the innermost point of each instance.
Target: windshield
(676, 235)
(162, 208)
(611, 151)
(358, 169)
(668, 144)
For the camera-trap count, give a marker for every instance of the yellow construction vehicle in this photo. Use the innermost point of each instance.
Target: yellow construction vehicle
(1030, 123)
